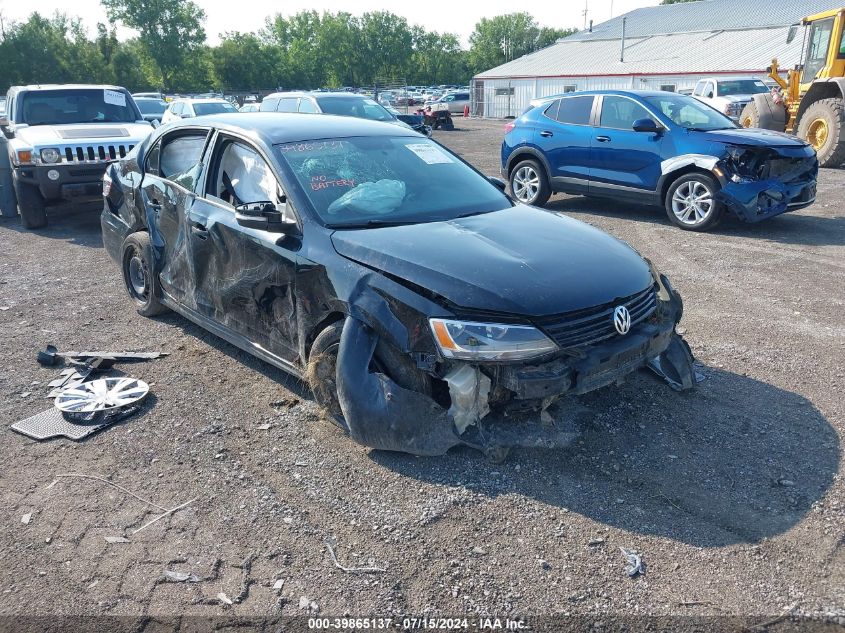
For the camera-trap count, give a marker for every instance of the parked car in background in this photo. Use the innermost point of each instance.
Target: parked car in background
(425, 308)
(729, 95)
(454, 102)
(148, 95)
(58, 140)
(2, 106)
(189, 108)
(249, 107)
(339, 103)
(655, 147)
(151, 108)
(415, 121)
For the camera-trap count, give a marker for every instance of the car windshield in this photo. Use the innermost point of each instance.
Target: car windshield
(151, 106)
(213, 107)
(354, 106)
(741, 87)
(379, 180)
(690, 113)
(95, 105)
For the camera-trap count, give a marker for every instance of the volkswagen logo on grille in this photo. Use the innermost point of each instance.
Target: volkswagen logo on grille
(622, 319)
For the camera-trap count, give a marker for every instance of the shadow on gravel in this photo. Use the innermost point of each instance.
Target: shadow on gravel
(80, 226)
(789, 228)
(736, 461)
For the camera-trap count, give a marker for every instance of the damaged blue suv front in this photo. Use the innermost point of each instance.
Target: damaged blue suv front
(659, 148)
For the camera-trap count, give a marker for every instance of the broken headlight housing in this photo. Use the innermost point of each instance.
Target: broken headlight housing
(489, 341)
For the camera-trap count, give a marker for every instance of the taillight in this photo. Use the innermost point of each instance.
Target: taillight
(106, 184)
(510, 126)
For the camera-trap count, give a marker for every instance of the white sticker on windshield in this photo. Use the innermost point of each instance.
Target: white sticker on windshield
(431, 154)
(114, 97)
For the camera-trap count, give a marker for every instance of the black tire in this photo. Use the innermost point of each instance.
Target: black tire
(8, 201)
(322, 363)
(529, 183)
(691, 200)
(30, 206)
(137, 266)
(827, 115)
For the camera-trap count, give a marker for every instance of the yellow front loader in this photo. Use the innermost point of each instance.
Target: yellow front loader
(812, 99)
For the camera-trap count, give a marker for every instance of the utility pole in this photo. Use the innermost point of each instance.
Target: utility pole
(585, 11)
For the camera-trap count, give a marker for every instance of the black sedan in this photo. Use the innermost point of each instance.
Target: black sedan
(424, 307)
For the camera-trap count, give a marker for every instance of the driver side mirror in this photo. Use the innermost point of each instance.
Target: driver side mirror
(264, 216)
(647, 125)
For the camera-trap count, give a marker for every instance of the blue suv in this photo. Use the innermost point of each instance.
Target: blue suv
(658, 148)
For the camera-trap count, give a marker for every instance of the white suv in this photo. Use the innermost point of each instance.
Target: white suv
(188, 108)
(728, 95)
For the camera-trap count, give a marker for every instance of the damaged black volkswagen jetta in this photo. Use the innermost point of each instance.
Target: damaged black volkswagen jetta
(423, 306)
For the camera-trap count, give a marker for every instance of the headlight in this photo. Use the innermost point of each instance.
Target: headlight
(489, 341)
(50, 155)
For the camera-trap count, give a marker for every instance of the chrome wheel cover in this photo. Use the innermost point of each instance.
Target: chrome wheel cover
(526, 184)
(692, 203)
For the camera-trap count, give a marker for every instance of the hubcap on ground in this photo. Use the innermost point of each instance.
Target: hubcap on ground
(817, 134)
(526, 184)
(138, 276)
(692, 203)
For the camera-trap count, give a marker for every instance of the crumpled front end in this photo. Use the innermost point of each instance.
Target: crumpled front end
(490, 406)
(762, 182)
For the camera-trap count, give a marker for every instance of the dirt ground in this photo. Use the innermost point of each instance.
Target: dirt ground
(732, 494)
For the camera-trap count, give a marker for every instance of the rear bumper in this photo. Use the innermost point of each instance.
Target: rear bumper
(63, 182)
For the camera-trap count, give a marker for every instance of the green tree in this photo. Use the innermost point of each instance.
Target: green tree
(170, 30)
(505, 37)
(386, 44)
(244, 61)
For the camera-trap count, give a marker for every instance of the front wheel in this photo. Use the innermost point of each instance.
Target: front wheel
(529, 183)
(690, 202)
(30, 206)
(138, 275)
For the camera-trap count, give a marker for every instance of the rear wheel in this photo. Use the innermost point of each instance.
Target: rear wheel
(30, 206)
(529, 183)
(138, 275)
(690, 202)
(823, 126)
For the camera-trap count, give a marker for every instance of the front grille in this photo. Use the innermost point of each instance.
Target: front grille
(585, 327)
(95, 153)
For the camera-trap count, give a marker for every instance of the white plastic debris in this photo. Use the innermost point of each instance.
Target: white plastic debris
(116, 539)
(222, 597)
(634, 566)
(180, 576)
(468, 388)
(277, 586)
(27, 518)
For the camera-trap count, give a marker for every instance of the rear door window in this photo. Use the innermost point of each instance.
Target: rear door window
(575, 110)
(268, 105)
(306, 105)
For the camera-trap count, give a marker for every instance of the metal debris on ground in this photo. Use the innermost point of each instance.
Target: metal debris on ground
(634, 562)
(54, 423)
(103, 394)
(180, 576)
(330, 542)
(161, 516)
(52, 356)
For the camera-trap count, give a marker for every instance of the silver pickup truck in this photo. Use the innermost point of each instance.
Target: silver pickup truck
(57, 141)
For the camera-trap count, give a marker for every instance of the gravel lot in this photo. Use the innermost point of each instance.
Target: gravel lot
(733, 494)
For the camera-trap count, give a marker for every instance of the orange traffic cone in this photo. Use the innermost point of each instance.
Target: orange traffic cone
(466, 111)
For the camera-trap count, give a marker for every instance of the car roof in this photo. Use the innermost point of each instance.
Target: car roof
(274, 128)
(307, 93)
(36, 87)
(628, 93)
(201, 100)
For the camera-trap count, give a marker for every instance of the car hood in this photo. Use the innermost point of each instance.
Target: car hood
(74, 134)
(522, 261)
(753, 137)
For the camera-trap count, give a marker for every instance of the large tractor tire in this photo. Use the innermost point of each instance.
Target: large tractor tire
(763, 113)
(823, 126)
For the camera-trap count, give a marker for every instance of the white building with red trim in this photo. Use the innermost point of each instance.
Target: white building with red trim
(668, 47)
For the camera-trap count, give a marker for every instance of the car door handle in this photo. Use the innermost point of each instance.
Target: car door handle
(546, 133)
(603, 139)
(199, 230)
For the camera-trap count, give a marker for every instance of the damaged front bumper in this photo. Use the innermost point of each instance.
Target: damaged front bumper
(760, 183)
(494, 406)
